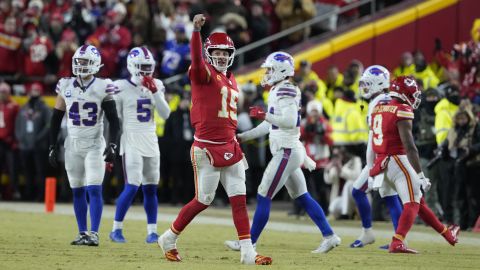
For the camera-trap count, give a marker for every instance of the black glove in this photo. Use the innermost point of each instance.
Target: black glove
(52, 156)
(109, 152)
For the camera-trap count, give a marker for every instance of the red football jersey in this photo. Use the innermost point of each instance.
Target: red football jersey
(214, 98)
(386, 138)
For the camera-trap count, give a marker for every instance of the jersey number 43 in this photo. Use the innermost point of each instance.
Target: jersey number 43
(74, 114)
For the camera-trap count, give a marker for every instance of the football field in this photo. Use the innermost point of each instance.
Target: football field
(31, 239)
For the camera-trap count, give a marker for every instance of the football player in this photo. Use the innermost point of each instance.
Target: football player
(216, 155)
(86, 99)
(136, 100)
(373, 85)
(282, 123)
(397, 161)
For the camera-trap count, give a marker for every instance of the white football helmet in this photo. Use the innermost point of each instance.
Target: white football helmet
(140, 62)
(374, 80)
(86, 61)
(279, 66)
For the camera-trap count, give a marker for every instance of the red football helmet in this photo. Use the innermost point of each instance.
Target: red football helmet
(219, 41)
(406, 88)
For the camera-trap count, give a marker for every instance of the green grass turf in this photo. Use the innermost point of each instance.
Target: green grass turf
(41, 241)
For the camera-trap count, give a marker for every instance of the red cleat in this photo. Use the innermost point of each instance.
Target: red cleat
(173, 256)
(451, 235)
(398, 246)
(263, 260)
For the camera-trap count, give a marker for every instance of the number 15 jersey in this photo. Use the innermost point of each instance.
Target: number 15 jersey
(386, 138)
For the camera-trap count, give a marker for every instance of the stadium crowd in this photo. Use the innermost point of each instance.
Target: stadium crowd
(40, 37)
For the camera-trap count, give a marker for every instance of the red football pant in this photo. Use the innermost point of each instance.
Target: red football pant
(240, 216)
(405, 223)
(187, 214)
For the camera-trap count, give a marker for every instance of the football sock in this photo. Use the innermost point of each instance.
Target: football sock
(124, 201)
(240, 216)
(150, 202)
(363, 206)
(80, 207)
(395, 208)
(186, 215)
(117, 225)
(316, 213)
(405, 223)
(151, 228)
(96, 206)
(260, 218)
(427, 215)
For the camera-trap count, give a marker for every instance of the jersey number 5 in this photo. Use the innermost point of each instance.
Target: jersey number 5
(377, 130)
(230, 109)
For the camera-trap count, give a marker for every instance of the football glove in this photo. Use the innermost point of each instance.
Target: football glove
(52, 156)
(149, 83)
(257, 112)
(109, 153)
(424, 182)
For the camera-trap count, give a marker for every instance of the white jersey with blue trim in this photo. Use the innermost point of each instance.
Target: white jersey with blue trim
(84, 106)
(283, 93)
(381, 97)
(136, 108)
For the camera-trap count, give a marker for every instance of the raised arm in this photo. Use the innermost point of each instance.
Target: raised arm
(198, 71)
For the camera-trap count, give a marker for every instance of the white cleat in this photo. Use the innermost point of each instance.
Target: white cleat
(168, 243)
(366, 238)
(328, 244)
(235, 245)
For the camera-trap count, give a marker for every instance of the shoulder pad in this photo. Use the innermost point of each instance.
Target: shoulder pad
(61, 84)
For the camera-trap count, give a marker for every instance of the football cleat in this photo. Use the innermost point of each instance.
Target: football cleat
(93, 239)
(398, 246)
(151, 238)
(263, 260)
(366, 238)
(235, 245)
(451, 235)
(169, 248)
(328, 244)
(81, 240)
(117, 236)
(252, 258)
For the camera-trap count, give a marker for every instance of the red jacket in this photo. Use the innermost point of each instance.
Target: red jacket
(316, 146)
(8, 113)
(36, 55)
(10, 52)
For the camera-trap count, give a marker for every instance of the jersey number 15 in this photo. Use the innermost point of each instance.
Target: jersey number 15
(230, 109)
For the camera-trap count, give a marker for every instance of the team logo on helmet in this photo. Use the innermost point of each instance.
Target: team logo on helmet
(282, 57)
(95, 51)
(134, 53)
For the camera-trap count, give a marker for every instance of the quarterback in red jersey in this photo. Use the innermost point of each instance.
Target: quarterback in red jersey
(216, 155)
(397, 160)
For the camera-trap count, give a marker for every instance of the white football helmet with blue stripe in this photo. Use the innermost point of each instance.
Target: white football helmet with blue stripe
(279, 66)
(374, 80)
(86, 61)
(140, 62)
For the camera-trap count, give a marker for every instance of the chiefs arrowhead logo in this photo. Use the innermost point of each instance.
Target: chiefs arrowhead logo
(227, 156)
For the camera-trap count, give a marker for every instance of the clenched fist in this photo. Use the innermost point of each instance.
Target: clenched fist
(198, 22)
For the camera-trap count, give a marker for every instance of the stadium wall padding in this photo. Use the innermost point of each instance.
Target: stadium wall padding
(383, 41)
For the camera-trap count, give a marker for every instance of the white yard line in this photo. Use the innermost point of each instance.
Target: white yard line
(136, 213)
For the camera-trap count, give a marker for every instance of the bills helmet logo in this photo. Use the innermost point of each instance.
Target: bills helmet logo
(282, 57)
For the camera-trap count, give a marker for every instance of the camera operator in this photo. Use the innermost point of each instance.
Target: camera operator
(462, 149)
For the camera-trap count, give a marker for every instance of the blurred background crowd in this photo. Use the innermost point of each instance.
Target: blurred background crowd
(38, 39)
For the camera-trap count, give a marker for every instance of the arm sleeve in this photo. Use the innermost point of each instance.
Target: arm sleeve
(352, 169)
(161, 105)
(256, 132)
(198, 70)
(370, 154)
(110, 110)
(55, 123)
(288, 114)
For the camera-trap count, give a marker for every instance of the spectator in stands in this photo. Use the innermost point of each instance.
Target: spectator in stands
(315, 133)
(462, 149)
(293, 12)
(39, 58)
(444, 112)
(352, 76)
(113, 41)
(31, 132)
(10, 48)
(341, 173)
(146, 19)
(423, 72)
(334, 79)
(64, 51)
(179, 132)
(81, 22)
(56, 27)
(259, 26)
(424, 134)
(307, 75)
(236, 28)
(407, 67)
(8, 144)
(176, 54)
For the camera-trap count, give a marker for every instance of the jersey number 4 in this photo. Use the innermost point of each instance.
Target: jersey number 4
(377, 130)
(74, 114)
(228, 109)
